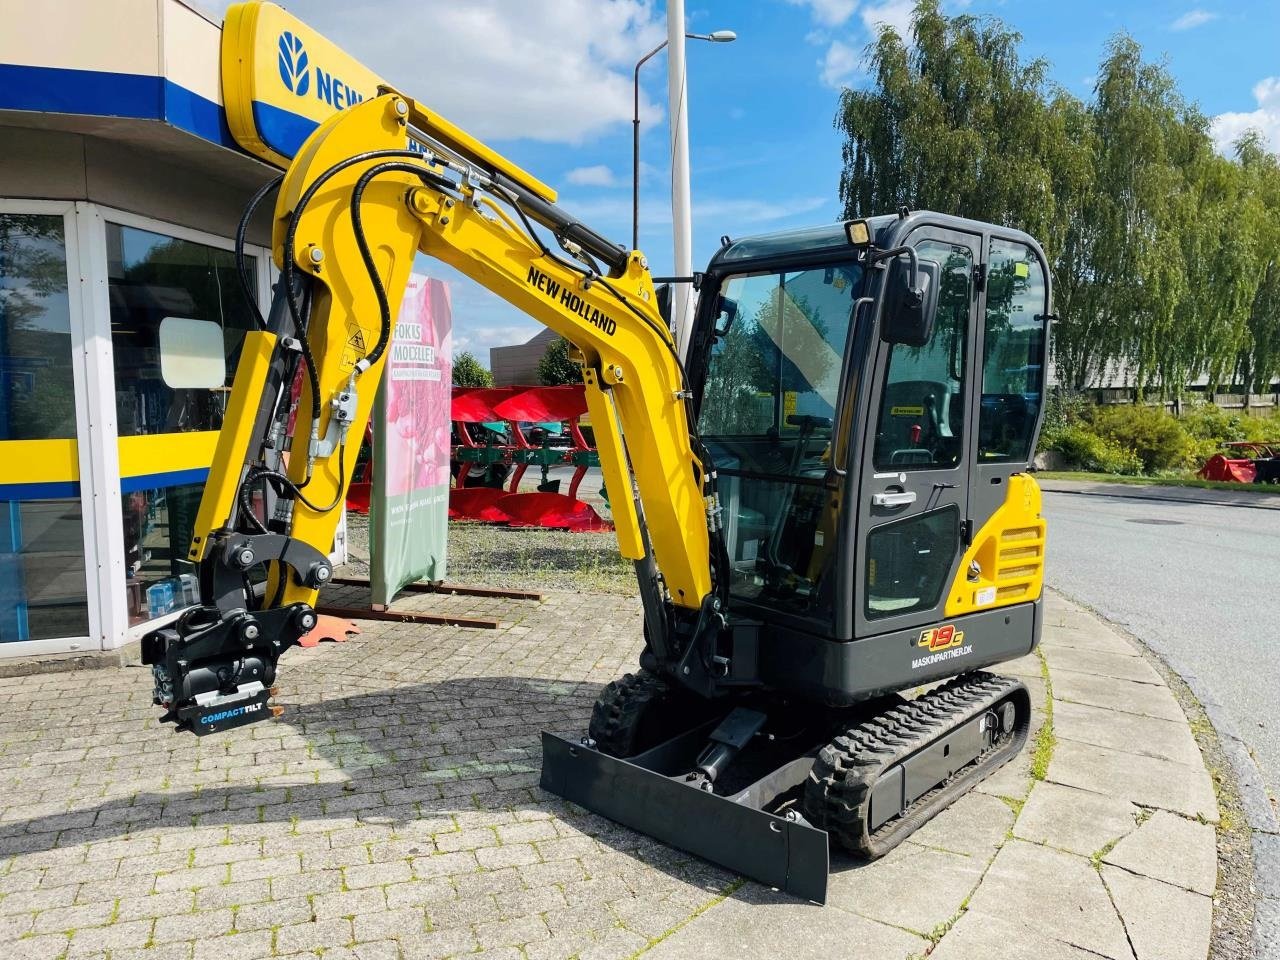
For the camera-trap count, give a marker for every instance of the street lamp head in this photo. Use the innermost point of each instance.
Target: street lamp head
(720, 36)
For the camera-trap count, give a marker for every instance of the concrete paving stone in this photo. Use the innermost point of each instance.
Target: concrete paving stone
(1163, 922)
(377, 874)
(438, 943)
(1173, 849)
(379, 950)
(1266, 858)
(616, 944)
(384, 924)
(1023, 668)
(464, 911)
(261, 916)
(1078, 821)
(169, 951)
(70, 918)
(1119, 695)
(1146, 781)
(890, 890)
(233, 894)
(1086, 637)
(192, 926)
(1101, 663)
(25, 901)
(975, 826)
(320, 934)
(1126, 732)
(116, 936)
(305, 884)
(419, 893)
(235, 946)
(1012, 779)
(511, 933)
(1057, 894)
(980, 936)
(754, 917)
(37, 948)
(1267, 929)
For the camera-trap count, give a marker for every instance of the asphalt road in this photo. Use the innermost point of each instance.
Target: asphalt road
(1199, 583)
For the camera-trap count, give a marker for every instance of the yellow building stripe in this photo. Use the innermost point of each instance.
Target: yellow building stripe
(39, 461)
(157, 453)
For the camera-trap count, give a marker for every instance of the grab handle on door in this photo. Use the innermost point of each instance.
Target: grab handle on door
(899, 499)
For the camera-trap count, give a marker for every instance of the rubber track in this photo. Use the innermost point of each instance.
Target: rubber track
(616, 715)
(838, 793)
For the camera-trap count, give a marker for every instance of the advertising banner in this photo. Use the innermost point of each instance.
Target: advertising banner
(409, 502)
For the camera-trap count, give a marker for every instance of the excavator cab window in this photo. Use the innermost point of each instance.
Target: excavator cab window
(768, 402)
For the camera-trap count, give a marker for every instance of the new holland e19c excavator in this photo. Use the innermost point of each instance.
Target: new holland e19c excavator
(829, 499)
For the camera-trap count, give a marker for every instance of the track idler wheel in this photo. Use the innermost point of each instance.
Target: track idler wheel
(640, 710)
(880, 780)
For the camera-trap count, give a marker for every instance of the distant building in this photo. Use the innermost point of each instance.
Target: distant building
(518, 362)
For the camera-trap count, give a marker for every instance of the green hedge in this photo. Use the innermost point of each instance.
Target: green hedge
(1133, 438)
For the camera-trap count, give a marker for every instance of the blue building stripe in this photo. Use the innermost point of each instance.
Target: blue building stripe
(98, 93)
(173, 478)
(53, 490)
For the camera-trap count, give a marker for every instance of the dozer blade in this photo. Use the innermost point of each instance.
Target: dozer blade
(730, 831)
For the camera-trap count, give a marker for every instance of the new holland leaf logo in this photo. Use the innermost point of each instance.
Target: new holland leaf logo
(294, 64)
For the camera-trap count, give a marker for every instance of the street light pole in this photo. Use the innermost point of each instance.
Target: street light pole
(719, 36)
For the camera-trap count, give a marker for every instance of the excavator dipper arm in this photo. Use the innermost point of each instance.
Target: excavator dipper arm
(354, 209)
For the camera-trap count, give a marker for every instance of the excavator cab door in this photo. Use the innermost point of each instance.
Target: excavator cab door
(915, 466)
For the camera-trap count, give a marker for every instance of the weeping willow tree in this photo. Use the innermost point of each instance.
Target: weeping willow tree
(1162, 252)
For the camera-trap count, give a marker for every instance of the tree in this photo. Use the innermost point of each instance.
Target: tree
(467, 371)
(555, 367)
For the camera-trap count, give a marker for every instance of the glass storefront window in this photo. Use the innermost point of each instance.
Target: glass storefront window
(42, 576)
(157, 532)
(42, 565)
(37, 395)
(150, 277)
(153, 278)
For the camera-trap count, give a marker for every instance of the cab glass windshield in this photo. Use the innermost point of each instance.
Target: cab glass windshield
(769, 399)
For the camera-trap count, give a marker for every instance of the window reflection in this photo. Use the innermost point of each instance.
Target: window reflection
(42, 578)
(153, 276)
(42, 565)
(37, 396)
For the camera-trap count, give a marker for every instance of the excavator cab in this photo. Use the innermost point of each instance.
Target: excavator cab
(869, 394)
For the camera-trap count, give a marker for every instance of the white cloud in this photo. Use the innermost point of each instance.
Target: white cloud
(558, 72)
(1226, 128)
(891, 13)
(828, 13)
(594, 176)
(1192, 19)
(840, 65)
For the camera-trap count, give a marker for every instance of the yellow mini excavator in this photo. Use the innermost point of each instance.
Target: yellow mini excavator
(827, 501)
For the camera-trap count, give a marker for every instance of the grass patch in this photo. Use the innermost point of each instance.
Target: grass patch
(1045, 740)
(1174, 480)
(1014, 804)
(1096, 858)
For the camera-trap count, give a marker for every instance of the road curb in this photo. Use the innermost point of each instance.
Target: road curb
(1247, 501)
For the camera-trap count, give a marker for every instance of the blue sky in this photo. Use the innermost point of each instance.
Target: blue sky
(548, 82)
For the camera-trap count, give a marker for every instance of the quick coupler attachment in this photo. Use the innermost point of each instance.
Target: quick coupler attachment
(215, 672)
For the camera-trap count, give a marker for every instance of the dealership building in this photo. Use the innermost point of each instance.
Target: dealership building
(132, 133)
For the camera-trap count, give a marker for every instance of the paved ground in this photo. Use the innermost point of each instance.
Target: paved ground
(1198, 583)
(393, 813)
